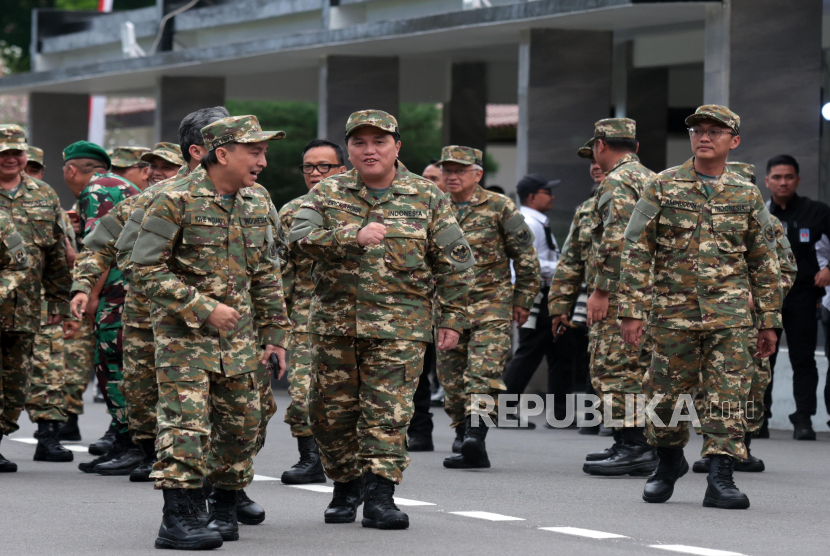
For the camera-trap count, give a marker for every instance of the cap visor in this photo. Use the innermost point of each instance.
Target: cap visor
(457, 161)
(695, 118)
(16, 147)
(355, 128)
(260, 136)
(551, 184)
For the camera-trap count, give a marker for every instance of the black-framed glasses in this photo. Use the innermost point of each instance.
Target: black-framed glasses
(713, 134)
(321, 168)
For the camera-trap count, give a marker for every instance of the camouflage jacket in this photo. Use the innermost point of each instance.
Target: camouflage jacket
(14, 262)
(708, 254)
(383, 291)
(573, 268)
(36, 213)
(296, 278)
(498, 233)
(191, 254)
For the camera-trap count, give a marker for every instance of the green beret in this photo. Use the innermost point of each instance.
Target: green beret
(85, 149)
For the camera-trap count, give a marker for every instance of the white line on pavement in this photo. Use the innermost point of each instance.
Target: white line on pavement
(328, 489)
(264, 478)
(489, 516)
(76, 448)
(314, 488)
(584, 532)
(695, 550)
(25, 440)
(408, 502)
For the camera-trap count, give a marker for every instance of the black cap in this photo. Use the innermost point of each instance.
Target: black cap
(532, 183)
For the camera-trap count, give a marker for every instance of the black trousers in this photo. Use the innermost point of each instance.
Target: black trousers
(565, 358)
(421, 422)
(801, 326)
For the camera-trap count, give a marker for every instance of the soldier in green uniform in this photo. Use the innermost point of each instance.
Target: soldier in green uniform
(497, 234)
(127, 163)
(165, 161)
(384, 240)
(34, 163)
(321, 159)
(35, 210)
(704, 236)
(207, 258)
(616, 368)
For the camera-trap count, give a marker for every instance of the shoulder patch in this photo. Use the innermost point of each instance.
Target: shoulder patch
(643, 213)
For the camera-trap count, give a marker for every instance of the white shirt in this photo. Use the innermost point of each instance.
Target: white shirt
(548, 258)
(823, 256)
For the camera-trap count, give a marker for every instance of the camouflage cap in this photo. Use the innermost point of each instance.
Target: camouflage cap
(615, 128)
(12, 138)
(170, 152)
(743, 169)
(586, 150)
(124, 157)
(374, 118)
(720, 114)
(461, 155)
(237, 129)
(35, 155)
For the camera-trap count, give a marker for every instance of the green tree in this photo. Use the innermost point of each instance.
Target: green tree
(420, 135)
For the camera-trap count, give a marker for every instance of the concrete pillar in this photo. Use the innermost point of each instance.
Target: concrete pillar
(176, 97)
(769, 57)
(351, 83)
(560, 99)
(465, 115)
(57, 120)
(647, 104)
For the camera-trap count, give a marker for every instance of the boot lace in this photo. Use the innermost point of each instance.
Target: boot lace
(341, 495)
(383, 496)
(225, 505)
(306, 458)
(724, 478)
(189, 511)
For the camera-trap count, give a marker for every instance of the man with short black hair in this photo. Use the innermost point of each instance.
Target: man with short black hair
(804, 221)
(432, 172)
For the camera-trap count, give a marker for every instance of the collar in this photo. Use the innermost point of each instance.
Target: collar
(479, 197)
(534, 214)
(625, 159)
(791, 203)
(203, 187)
(687, 172)
(26, 182)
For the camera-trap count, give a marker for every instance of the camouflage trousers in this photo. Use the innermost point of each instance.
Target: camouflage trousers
(361, 402)
(617, 369)
(109, 362)
(45, 400)
(680, 359)
(474, 367)
(266, 401)
(79, 354)
(139, 387)
(754, 408)
(16, 352)
(299, 384)
(207, 428)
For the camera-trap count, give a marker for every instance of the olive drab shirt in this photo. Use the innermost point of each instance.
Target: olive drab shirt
(573, 267)
(14, 262)
(35, 211)
(383, 291)
(194, 251)
(498, 233)
(296, 278)
(708, 254)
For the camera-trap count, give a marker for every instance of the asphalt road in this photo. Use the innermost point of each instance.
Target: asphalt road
(536, 482)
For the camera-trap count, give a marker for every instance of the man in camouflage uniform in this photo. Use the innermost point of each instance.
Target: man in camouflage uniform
(104, 191)
(165, 161)
(38, 244)
(384, 241)
(207, 258)
(708, 236)
(498, 234)
(321, 159)
(127, 163)
(761, 373)
(616, 368)
(34, 163)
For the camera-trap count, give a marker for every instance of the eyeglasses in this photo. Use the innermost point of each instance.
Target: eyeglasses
(321, 168)
(456, 172)
(713, 134)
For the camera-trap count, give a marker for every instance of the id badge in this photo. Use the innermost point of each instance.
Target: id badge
(804, 235)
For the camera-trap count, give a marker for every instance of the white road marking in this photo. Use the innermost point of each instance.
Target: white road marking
(489, 516)
(264, 478)
(314, 488)
(76, 448)
(24, 440)
(328, 489)
(583, 532)
(408, 502)
(695, 550)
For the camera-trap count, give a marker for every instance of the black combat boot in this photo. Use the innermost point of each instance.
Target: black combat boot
(473, 449)
(309, 469)
(248, 511)
(459, 438)
(129, 459)
(671, 466)
(420, 443)
(141, 474)
(180, 527)
(48, 447)
(347, 497)
(69, 431)
(606, 453)
(223, 514)
(701, 465)
(380, 511)
(633, 457)
(118, 447)
(751, 464)
(722, 492)
(6, 466)
(103, 444)
(200, 500)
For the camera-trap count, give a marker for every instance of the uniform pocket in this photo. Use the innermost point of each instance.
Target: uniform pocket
(676, 227)
(201, 247)
(729, 231)
(486, 245)
(43, 225)
(254, 244)
(405, 249)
